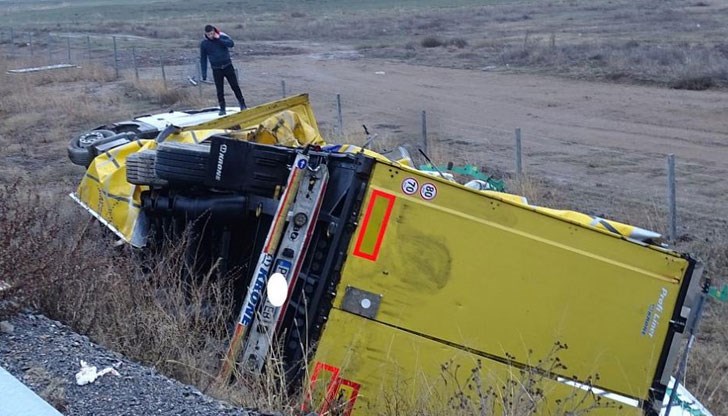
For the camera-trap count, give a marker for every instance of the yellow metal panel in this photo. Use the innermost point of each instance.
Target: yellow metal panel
(504, 279)
(399, 372)
(105, 191)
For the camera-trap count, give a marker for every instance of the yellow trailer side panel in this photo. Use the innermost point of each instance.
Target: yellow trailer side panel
(471, 270)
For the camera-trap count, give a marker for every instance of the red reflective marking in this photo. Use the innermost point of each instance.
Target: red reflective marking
(332, 390)
(314, 377)
(365, 225)
(354, 394)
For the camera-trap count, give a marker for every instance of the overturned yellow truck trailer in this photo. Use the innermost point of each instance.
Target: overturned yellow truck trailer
(453, 278)
(404, 290)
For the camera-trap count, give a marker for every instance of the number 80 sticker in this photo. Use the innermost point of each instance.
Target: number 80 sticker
(428, 191)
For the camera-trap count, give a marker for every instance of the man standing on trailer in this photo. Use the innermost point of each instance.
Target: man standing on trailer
(216, 47)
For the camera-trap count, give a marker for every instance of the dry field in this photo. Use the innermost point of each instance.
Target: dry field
(602, 90)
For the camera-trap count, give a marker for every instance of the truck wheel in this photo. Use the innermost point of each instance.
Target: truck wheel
(78, 148)
(182, 162)
(140, 169)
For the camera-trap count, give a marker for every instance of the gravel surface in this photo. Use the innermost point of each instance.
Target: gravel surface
(45, 355)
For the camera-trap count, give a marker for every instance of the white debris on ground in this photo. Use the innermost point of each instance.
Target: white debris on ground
(89, 374)
(41, 68)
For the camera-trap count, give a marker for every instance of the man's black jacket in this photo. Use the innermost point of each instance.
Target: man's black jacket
(217, 50)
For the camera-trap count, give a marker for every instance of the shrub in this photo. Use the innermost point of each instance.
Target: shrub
(155, 91)
(696, 83)
(431, 42)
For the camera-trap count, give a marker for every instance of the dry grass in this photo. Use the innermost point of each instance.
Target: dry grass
(50, 388)
(680, 66)
(133, 303)
(44, 99)
(155, 91)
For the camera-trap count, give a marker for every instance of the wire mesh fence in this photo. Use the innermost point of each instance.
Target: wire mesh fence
(607, 174)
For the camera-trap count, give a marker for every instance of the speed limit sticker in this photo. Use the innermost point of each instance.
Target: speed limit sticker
(428, 191)
(410, 186)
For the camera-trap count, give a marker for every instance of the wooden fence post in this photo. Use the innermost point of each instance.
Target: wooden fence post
(519, 155)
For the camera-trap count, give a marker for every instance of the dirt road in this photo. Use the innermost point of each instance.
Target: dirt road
(603, 144)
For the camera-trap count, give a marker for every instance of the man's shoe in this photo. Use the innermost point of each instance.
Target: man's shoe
(243, 106)
(222, 112)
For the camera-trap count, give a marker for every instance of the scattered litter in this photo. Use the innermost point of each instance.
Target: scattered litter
(88, 373)
(41, 68)
(488, 68)
(480, 185)
(380, 72)
(4, 285)
(192, 80)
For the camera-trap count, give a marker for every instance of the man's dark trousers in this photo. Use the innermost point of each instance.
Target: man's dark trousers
(228, 72)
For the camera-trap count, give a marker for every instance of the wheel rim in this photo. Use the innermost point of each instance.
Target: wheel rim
(89, 138)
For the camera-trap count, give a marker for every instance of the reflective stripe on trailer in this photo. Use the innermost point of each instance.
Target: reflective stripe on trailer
(374, 225)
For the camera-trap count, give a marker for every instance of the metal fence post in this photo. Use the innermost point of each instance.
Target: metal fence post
(519, 156)
(199, 77)
(164, 75)
(134, 61)
(88, 48)
(50, 49)
(283, 88)
(30, 43)
(68, 48)
(9, 50)
(340, 119)
(424, 131)
(116, 59)
(671, 199)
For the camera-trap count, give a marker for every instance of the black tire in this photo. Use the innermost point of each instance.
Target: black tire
(182, 162)
(140, 169)
(78, 148)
